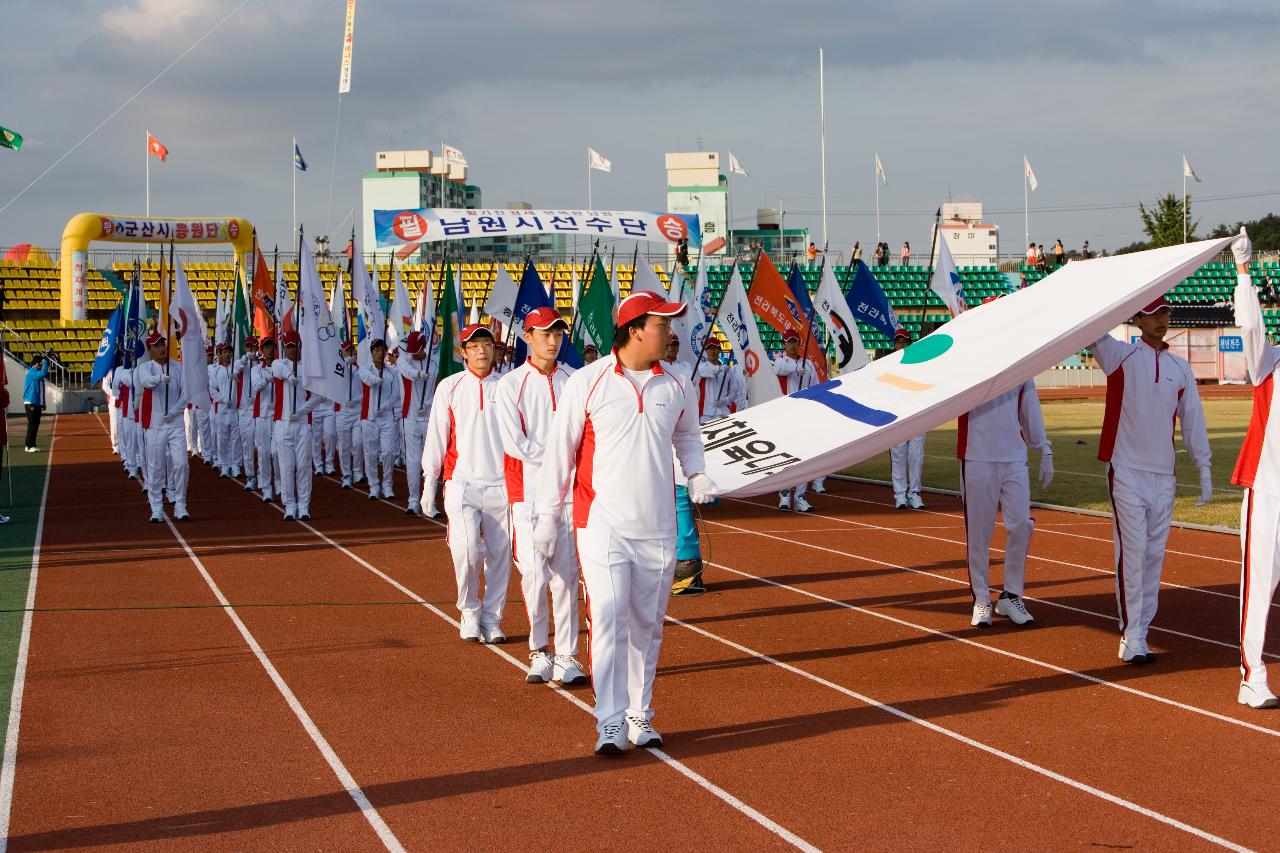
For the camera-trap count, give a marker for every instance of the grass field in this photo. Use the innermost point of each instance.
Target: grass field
(1079, 478)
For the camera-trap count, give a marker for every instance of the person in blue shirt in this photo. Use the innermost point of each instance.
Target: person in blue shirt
(33, 398)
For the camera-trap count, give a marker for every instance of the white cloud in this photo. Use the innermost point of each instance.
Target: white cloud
(148, 21)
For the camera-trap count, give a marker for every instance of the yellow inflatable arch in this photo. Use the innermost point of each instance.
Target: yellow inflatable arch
(83, 228)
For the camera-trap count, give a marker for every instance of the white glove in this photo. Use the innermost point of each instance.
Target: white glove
(293, 379)
(164, 377)
(1046, 469)
(1206, 481)
(702, 490)
(544, 535)
(1242, 248)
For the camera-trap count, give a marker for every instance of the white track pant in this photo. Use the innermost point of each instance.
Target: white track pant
(988, 487)
(538, 576)
(189, 426)
(1260, 572)
(379, 433)
(1142, 507)
(907, 460)
(350, 444)
(244, 424)
(293, 444)
(226, 429)
(628, 585)
(323, 437)
(415, 436)
(480, 542)
(129, 445)
(204, 433)
(113, 420)
(266, 459)
(167, 464)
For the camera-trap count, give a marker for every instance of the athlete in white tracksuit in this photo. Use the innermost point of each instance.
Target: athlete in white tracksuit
(527, 402)
(347, 422)
(226, 419)
(719, 386)
(416, 373)
(906, 460)
(205, 442)
(1258, 471)
(1148, 390)
(160, 414)
(292, 431)
(464, 451)
(611, 443)
(991, 444)
(381, 395)
(243, 369)
(262, 406)
(796, 372)
(113, 417)
(122, 386)
(324, 436)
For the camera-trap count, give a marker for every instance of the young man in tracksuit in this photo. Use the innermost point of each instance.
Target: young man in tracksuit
(906, 460)
(527, 400)
(611, 442)
(163, 400)
(464, 451)
(205, 441)
(377, 420)
(122, 379)
(262, 408)
(347, 421)
(1258, 471)
(292, 431)
(796, 372)
(243, 368)
(226, 424)
(1148, 390)
(416, 372)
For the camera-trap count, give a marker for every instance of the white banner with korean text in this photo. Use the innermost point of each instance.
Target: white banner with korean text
(430, 225)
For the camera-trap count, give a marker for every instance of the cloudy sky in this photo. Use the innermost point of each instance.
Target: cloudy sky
(1103, 95)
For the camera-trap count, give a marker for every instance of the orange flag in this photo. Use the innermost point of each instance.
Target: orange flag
(263, 296)
(773, 302)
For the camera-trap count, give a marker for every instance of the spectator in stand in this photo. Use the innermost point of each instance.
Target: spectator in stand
(812, 254)
(906, 253)
(1059, 253)
(1086, 253)
(1042, 259)
(33, 399)
(881, 256)
(857, 253)
(682, 252)
(1032, 261)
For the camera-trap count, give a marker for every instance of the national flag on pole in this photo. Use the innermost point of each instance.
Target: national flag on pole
(773, 302)
(321, 367)
(453, 155)
(595, 313)
(450, 346)
(135, 323)
(800, 290)
(185, 313)
(263, 297)
(298, 163)
(156, 148)
(10, 139)
(842, 327)
(880, 170)
(946, 279)
(738, 324)
(596, 161)
(735, 167)
(1031, 176)
(108, 355)
(868, 303)
(1187, 171)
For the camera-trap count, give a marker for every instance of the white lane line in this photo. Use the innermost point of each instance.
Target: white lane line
(10, 766)
(999, 651)
(968, 741)
(340, 770)
(965, 583)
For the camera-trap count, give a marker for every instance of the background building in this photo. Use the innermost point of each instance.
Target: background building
(972, 242)
(409, 179)
(771, 235)
(695, 185)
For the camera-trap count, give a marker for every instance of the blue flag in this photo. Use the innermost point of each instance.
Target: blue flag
(533, 294)
(298, 162)
(800, 290)
(108, 357)
(135, 325)
(869, 304)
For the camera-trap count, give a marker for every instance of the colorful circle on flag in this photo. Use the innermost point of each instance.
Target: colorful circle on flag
(750, 362)
(927, 349)
(672, 227)
(409, 226)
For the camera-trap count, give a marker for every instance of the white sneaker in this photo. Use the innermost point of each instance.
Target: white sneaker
(540, 668)
(412, 508)
(373, 494)
(1256, 696)
(157, 518)
(431, 511)
(290, 513)
(802, 505)
(640, 733)
(981, 615)
(470, 629)
(180, 513)
(346, 482)
(613, 739)
(250, 484)
(1011, 606)
(784, 501)
(492, 634)
(388, 494)
(915, 502)
(266, 496)
(819, 486)
(568, 671)
(1133, 651)
(329, 469)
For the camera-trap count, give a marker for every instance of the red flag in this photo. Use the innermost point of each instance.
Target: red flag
(773, 302)
(156, 148)
(262, 296)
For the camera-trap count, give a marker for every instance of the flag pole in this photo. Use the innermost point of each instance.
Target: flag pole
(147, 149)
(588, 177)
(822, 124)
(1184, 198)
(875, 178)
(1026, 205)
(293, 168)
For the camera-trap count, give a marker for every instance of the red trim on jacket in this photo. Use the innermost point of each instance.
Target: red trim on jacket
(584, 491)
(1246, 470)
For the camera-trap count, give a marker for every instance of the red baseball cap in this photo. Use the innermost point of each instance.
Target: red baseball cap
(290, 337)
(267, 339)
(250, 339)
(1156, 306)
(154, 339)
(543, 318)
(377, 342)
(992, 298)
(902, 333)
(647, 302)
(415, 342)
(790, 335)
(474, 329)
(712, 343)
(223, 345)
(346, 344)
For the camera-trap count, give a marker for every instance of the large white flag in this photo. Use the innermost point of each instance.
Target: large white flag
(880, 170)
(366, 296)
(738, 324)
(946, 278)
(220, 318)
(501, 304)
(400, 319)
(842, 328)
(735, 167)
(190, 332)
(453, 155)
(424, 313)
(1187, 171)
(698, 319)
(321, 369)
(338, 304)
(596, 161)
(682, 326)
(646, 279)
(1031, 176)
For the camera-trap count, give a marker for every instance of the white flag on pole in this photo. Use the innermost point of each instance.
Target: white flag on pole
(338, 304)
(880, 170)
(735, 167)
(596, 161)
(424, 313)
(453, 155)
(322, 369)
(187, 326)
(829, 304)
(220, 318)
(1187, 171)
(401, 313)
(645, 278)
(946, 279)
(501, 304)
(1031, 176)
(739, 325)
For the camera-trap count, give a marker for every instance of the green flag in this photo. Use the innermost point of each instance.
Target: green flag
(447, 313)
(595, 313)
(10, 139)
(240, 319)
(110, 277)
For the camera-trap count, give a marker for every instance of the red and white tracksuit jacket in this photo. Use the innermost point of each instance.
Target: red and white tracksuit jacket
(291, 432)
(1148, 391)
(222, 394)
(381, 398)
(991, 443)
(262, 407)
(415, 412)
(464, 449)
(527, 402)
(160, 409)
(611, 441)
(1258, 471)
(720, 390)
